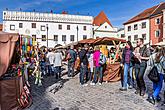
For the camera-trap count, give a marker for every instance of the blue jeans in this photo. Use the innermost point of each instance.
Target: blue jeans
(158, 86)
(126, 69)
(100, 71)
(57, 71)
(83, 71)
(70, 69)
(51, 69)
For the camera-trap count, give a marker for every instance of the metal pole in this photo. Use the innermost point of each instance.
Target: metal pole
(47, 34)
(77, 33)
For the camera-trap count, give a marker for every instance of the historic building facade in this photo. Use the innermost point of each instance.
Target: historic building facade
(147, 25)
(59, 28)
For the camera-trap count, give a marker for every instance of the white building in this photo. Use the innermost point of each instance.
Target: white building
(120, 33)
(137, 29)
(103, 27)
(60, 28)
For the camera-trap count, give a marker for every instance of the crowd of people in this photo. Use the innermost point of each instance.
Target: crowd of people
(139, 62)
(135, 62)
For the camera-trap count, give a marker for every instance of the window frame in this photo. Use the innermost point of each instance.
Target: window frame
(129, 38)
(33, 26)
(20, 26)
(64, 36)
(56, 40)
(84, 28)
(135, 26)
(84, 37)
(34, 37)
(129, 27)
(143, 26)
(60, 27)
(135, 39)
(12, 25)
(44, 39)
(68, 27)
(43, 26)
(144, 37)
(156, 33)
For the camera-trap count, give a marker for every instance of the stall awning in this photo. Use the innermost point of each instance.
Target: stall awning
(7, 44)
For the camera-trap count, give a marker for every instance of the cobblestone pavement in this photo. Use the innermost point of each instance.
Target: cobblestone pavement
(71, 96)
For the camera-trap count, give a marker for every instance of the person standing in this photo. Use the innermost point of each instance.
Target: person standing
(91, 65)
(58, 63)
(157, 60)
(83, 64)
(97, 66)
(126, 61)
(50, 57)
(71, 58)
(142, 55)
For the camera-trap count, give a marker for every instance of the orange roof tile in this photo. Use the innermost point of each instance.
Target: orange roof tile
(147, 13)
(101, 19)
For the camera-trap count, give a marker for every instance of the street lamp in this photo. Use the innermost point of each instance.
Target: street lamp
(77, 33)
(93, 32)
(47, 34)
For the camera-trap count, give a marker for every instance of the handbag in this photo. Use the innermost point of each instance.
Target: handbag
(154, 74)
(25, 99)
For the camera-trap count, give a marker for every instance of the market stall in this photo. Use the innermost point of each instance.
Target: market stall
(11, 79)
(112, 70)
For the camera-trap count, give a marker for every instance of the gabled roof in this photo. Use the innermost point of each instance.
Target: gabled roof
(101, 19)
(147, 13)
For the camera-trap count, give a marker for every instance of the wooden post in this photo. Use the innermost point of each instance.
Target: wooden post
(117, 50)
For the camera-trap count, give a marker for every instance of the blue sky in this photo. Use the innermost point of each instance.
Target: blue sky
(118, 11)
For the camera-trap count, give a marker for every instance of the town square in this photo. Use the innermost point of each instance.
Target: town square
(82, 55)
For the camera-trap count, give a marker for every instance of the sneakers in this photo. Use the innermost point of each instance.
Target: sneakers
(130, 87)
(83, 85)
(92, 84)
(123, 89)
(100, 84)
(137, 92)
(142, 93)
(151, 100)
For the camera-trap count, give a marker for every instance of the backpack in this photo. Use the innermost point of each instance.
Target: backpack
(102, 60)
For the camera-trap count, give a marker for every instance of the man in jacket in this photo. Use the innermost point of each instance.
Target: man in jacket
(71, 61)
(143, 55)
(84, 64)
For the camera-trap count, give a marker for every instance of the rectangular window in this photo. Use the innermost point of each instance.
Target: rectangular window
(129, 38)
(157, 21)
(144, 36)
(143, 25)
(157, 33)
(122, 36)
(135, 27)
(12, 27)
(72, 38)
(43, 28)
(84, 36)
(85, 28)
(135, 37)
(63, 37)
(68, 27)
(60, 27)
(34, 37)
(55, 37)
(43, 37)
(20, 25)
(33, 25)
(129, 28)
